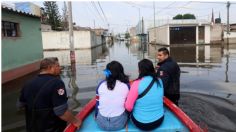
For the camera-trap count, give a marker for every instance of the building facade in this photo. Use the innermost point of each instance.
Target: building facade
(181, 32)
(21, 43)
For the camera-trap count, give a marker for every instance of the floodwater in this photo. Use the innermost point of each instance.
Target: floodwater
(207, 74)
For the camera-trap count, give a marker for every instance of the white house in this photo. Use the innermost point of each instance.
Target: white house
(189, 31)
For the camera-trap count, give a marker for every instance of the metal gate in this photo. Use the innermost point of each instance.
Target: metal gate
(183, 35)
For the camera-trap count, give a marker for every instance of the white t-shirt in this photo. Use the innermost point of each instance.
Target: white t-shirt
(111, 102)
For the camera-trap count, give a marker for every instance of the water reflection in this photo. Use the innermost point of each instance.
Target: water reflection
(73, 85)
(227, 61)
(209, 61)
(86, 60)
(192, 56)
(84, 56)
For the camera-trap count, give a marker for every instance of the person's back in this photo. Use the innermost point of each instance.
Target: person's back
(150, 107)
(44, 99)
(111, 93)
(145, 98)
(111, 102)
(37, 95)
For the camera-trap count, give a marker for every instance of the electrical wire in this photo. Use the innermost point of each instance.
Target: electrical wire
(103, 13)
(94, 6)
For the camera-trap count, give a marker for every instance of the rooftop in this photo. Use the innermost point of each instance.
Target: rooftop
(18, 11)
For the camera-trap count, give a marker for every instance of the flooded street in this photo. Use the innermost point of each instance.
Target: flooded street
(208, 70)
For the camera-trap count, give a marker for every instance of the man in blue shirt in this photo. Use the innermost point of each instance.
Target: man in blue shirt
(45, 100)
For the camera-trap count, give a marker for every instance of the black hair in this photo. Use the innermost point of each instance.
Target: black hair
(146, 68)
(117, 73)
(164, 50)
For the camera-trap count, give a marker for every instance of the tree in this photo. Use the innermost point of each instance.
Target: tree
(179, 16)
(127, 35)
(189, 16)
(185, 16)
(54, 18)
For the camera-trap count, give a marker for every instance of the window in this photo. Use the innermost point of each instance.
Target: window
(10, 29)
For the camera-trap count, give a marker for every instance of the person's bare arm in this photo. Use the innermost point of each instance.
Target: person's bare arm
(69, 117)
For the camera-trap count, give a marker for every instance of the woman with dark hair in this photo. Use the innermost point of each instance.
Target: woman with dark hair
(111, 94)
(145, 98)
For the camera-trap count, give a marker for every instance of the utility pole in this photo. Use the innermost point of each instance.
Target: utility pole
(228, 5)
(140, 26)
(71, 36)
(94, 24)
(139, 19)
(154, 24)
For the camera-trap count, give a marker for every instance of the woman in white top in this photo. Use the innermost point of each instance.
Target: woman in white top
(111, 94)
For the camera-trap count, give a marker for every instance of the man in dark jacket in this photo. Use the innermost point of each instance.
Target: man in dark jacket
(169, 71)
(45, 100)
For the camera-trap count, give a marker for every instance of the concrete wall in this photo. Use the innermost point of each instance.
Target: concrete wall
(159, 35)
(231, 36)
(152, 35)
(207, 34)
(25, 49)
(163, 35)
(45, 27)
(197, 35)
(216, 31)
(60, 40)
(99, 39)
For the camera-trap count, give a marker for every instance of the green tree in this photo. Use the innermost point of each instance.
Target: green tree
(189, 16)
(179, 16)
(52, 12)
(127, 35)
(185, 16)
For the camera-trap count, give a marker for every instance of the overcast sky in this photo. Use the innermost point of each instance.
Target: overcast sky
(123, 14)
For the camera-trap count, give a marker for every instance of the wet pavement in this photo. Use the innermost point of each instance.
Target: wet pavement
(208, 80)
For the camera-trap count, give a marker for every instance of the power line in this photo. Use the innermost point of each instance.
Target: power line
(134, 4)
(103, 13)
(213, 2)
(89, 9)
(166, 7)
(94, 5)
(113, 24)
(142, 6)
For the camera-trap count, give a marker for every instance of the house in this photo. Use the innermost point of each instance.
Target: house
(189, 31)
(22, 47)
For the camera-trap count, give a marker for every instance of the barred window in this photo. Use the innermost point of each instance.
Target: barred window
(10, 29)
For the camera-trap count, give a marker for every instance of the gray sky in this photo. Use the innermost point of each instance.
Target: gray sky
(123, 14)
